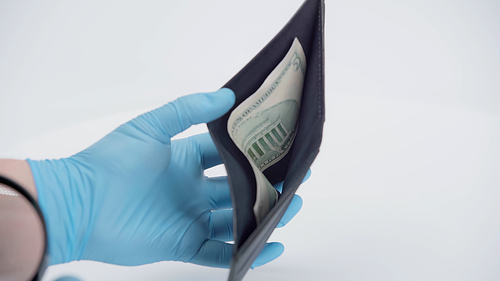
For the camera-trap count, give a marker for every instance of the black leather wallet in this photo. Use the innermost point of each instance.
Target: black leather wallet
(249, 238)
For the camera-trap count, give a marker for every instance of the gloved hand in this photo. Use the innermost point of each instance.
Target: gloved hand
(136, 197)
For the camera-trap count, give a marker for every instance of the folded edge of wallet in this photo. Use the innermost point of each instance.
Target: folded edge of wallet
(307, 24)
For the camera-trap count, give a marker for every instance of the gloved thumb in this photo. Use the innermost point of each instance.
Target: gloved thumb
(180, 114)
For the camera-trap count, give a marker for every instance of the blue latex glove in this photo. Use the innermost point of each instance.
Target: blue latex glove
(136, 197)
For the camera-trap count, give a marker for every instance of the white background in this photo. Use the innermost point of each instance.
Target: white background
(407, 183)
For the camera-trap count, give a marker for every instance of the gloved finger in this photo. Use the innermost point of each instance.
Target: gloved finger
(213, 253)
(209, 155)
(279, 186)
(270, 252)
(218, 254)
(221, 221)
(292, 210)
(217, 193)
(220, 225)
(175, 117)
(307, 176)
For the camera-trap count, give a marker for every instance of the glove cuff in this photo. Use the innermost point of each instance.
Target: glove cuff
(59, 197)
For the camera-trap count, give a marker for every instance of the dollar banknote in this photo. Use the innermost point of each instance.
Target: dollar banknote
(263, 126)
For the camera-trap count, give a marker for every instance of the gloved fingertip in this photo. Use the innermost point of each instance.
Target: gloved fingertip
(228, 92)
(292, 210)
(307, 176)
(206, 107)
(297, 202)
(270, 252)
(225, 98)
(185, 111)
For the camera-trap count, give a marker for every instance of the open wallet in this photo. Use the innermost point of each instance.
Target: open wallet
(273, 132)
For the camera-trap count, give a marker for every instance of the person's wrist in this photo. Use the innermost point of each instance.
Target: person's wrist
(62, 199)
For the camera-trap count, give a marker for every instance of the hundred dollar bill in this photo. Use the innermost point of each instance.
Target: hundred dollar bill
(263, 126)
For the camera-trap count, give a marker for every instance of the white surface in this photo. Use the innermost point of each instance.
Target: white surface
(406, 186)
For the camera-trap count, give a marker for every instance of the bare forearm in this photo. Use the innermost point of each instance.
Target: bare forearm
(21, 231)
(20, 172)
